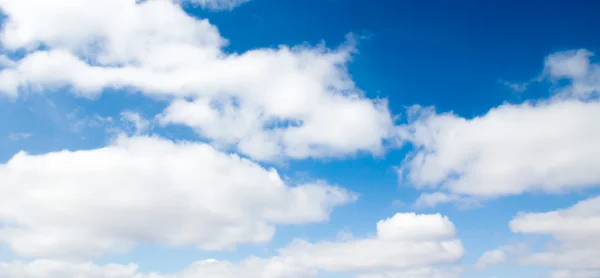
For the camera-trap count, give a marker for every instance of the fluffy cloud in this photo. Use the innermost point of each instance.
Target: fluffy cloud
(406, 246)
(576, 67)
(81, 204)
(252, 267)
(490, 258)
(574, 232)
(406, 240)
(426, 272)
(576, 274)
(549, 146)
(268, 103)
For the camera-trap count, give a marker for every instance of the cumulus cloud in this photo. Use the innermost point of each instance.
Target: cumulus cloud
(536, 146)
(406, 240)
(425, 272)
(274, 103)
(490, 258)
(574, 234)
(548, 146)
(398, 251)
(575, 274)
(83, 204)
(251, 267)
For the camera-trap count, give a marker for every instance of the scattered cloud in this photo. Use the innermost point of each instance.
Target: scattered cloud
(573, 231)
(251, 267)
(430, 200)
(145, 189)
(404, 241)
(565, 273)
(508, 151)
(19, 136)
(425, 272)
(217, 4)
(398, 250)
(269, 104)
(490, 258)
(576, 67)
(140, 124)
(516, 87)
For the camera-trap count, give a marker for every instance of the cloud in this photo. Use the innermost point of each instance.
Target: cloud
(576, 67)
(404, 241)
(398, 251)
(218, 4)
(425, 272)
(547, 146)
(430, 200)
(516, 87)
(19, 136)
(574, 232)
(83, 204)
(251, 267)
(575, 274)
(490, 258)
(140, 124)
(269, 103)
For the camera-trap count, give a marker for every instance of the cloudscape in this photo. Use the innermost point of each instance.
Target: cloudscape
(299, 139)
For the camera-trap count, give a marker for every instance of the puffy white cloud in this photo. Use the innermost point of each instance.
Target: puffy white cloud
(269, 103)
(425, 272)
(549, 146)
(576, 274)
(544, 146)
(575, 66)
(398, 251)
(251, 267)
(490, 258)
(82, 204)
(404, 241)
(574, 232)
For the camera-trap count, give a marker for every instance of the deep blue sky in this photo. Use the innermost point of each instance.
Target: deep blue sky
(450, 54)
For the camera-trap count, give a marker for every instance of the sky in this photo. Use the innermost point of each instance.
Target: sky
(299, 139)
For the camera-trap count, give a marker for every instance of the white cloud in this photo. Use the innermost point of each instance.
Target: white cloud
(576, 274)
(217, 4)
(404, 241)
(83, 204)
(537, 146)
(251, 267)
(269, 103)
(575, 66)
(140, 124)
(574, 232)
(429, 200)
(490, 258)
(398, 251)
(516, 87)
(549, 146)
(425, 272)
(19, 136)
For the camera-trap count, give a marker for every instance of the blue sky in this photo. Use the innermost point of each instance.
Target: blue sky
(298, 139)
